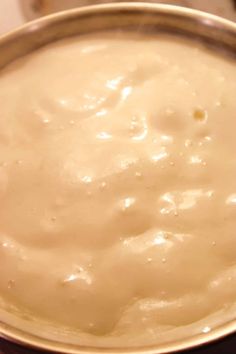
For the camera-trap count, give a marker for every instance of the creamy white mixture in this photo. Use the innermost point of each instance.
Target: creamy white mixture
(118, 185)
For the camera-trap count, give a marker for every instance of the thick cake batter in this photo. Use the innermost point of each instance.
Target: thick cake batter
(118, 186)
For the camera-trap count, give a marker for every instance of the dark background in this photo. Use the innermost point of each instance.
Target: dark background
(226, 346)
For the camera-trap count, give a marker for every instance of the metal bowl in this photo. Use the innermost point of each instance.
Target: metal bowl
(33, 9)
(212, 31)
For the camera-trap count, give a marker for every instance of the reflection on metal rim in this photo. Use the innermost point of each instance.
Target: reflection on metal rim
(36, 8)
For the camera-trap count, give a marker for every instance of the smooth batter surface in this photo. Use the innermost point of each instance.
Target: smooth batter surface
(118, 186)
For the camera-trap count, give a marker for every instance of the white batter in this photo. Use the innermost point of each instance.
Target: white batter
(118, 186)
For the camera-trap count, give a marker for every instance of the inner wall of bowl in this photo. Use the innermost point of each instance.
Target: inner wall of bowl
(138, 18)
(30, 330)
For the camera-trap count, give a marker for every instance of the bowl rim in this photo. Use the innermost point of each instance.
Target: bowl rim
(28, 340)
(164, 8)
